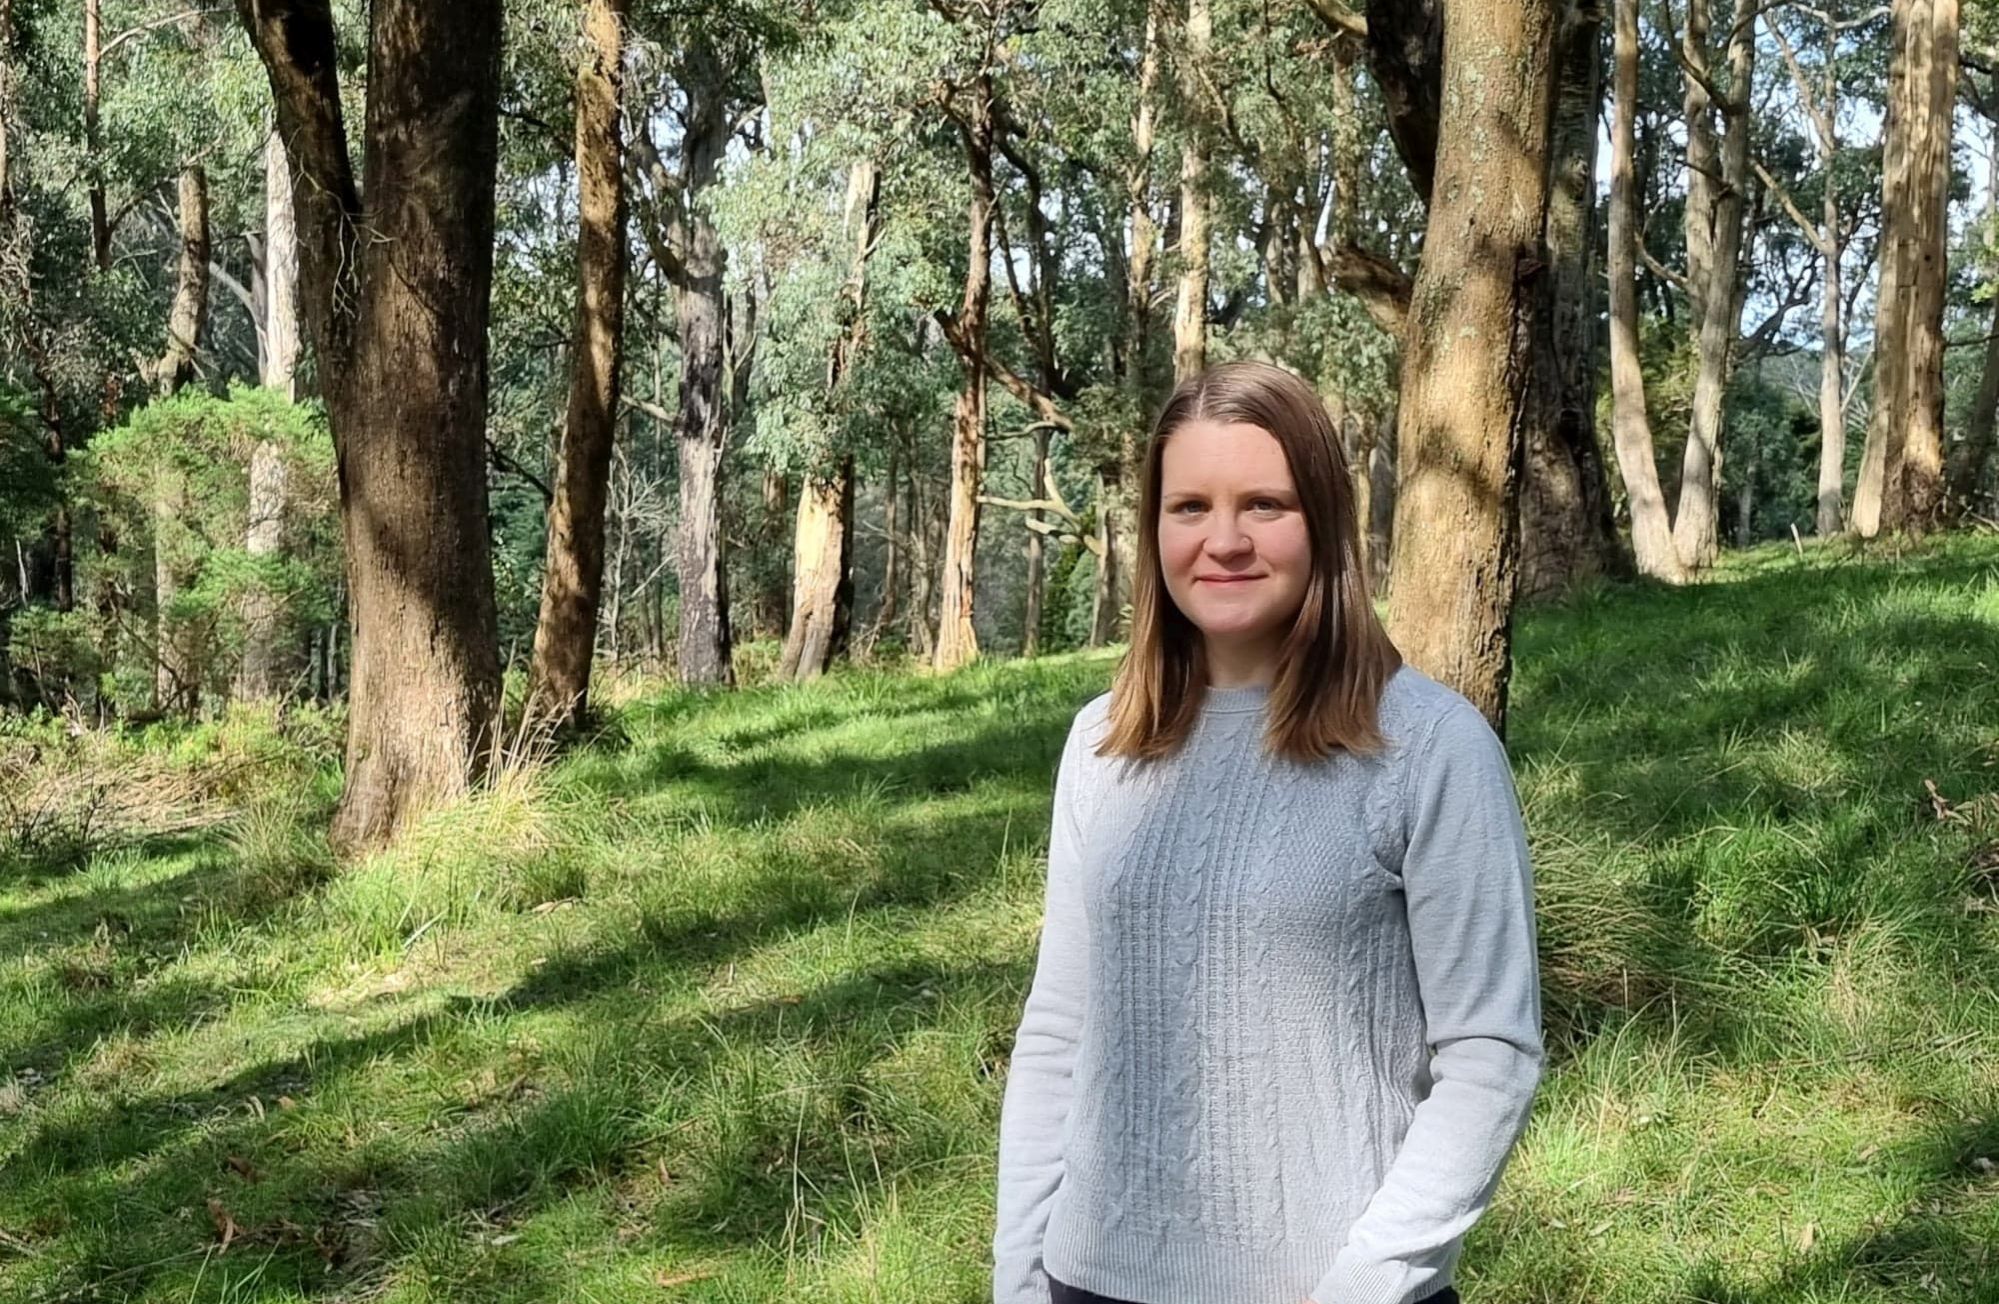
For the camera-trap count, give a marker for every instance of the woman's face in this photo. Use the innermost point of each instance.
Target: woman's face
(1232, 537)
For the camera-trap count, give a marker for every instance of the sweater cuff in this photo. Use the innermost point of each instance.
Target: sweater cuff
(1352, 1280)
(1349, 1282)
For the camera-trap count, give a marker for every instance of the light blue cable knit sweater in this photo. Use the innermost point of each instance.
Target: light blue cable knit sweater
(1285, 1022)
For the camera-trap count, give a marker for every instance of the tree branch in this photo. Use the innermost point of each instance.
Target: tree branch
(1805, 224)
(104, 51)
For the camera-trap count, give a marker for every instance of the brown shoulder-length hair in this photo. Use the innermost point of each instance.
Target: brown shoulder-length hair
(1337, 658)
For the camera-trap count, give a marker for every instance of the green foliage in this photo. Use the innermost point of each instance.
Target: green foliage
(172, 488)
(27, 476)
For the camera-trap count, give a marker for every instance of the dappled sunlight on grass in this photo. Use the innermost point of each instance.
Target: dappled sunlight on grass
(719, 1007)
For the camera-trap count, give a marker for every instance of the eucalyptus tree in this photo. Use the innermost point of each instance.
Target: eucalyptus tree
(1823, 57)
(566, 633)
(398, 325)
(1651, 528)
(1467, 343)
(1717, 191)
(1901, 466)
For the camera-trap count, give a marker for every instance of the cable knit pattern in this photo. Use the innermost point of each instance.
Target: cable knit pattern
(1284, 1027)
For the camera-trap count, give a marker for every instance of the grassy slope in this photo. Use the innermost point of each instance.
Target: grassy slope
(716, 1009)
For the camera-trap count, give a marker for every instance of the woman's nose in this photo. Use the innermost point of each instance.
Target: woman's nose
(1227, 539)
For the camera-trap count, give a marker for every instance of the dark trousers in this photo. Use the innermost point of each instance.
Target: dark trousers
(1063, 1294)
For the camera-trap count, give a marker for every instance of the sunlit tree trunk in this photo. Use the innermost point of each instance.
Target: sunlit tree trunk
(1697, 519)
(1190, 313)
(957, 642)
(177, 668)
(1631, 429)
(822, 598)
(1900, 485)
(281, 334)
(93, 145)
(565, 635)
(1468, 351)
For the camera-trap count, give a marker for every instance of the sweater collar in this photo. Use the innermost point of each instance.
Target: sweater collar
(1234, 701)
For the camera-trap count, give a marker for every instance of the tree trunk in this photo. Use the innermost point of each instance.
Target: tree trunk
(93, 145)
(398, 324)
(1932, 98)
(565, 635)
(822, 602)
(892, 563)
(1121, 480)
(1651, 534)
(188, 317)
(1037, 546)
(265, 658)
(281, 338)
(1190, 312)
(1468, 348)
(1830, 517)
(1697, 520)
(1405, 52)
(177, 668)
(1900, 468)
(1566, 529)
(957, 640)
(823, 590)
(921, 645)
(773, 599)
(699, 429)
(1104, 599)
(1877, 490)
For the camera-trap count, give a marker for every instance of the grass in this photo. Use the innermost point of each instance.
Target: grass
(718, 1008)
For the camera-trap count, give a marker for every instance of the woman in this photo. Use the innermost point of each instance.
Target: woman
(1285, 1022)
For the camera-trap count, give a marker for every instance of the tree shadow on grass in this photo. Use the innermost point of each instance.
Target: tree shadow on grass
(1760, 748)
(1934, 1248)
(419, 1204)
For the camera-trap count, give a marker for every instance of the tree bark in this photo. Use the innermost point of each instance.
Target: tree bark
(772, 608)
(1900, 468)
(885, 613)
(957, 640)
(187, 319)
(823, 589)
(1631, 429)
(93, 145)
(398, 324)
(1405, 52)
(1567, 533)
(565, 636)
(265, 657)
(1190, 312)
(274, 286)
(706, 644)
(822, 602)
(177, 668)
(1932, 92)
(1037, 581)
(1697, 519)
(281, 337)
(1469, 346)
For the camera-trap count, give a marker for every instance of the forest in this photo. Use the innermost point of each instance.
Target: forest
(550, 546)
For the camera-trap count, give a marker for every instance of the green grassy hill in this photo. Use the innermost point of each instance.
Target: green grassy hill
(717, 1008)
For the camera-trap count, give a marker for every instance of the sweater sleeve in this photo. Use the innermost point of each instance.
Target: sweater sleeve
(1469, 892)
(1035, 1107)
